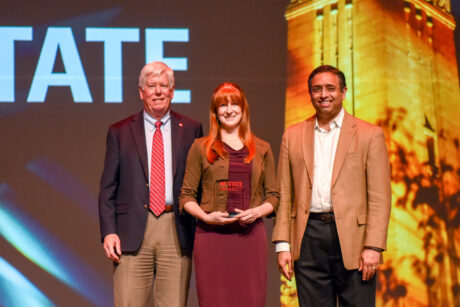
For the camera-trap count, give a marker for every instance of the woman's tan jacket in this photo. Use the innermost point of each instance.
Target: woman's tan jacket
(198, 170)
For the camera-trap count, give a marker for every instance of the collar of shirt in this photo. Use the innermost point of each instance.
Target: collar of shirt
(150, 121)
(335, 123)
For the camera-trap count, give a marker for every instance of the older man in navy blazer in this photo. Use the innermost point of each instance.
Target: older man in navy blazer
(143, 232)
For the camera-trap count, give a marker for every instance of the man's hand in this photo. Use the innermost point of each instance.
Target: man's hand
(112, 247)
(285, 259)
(369, 262)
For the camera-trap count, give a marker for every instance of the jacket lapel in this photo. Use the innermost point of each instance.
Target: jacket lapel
(346, 135)
(256, 170)
(177, 131)
(138, 133)
(308, 140)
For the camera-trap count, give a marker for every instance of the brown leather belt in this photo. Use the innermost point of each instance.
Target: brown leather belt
(325, 217)
(169, 208)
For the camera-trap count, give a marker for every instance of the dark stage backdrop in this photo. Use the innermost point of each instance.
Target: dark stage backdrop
(68, 69)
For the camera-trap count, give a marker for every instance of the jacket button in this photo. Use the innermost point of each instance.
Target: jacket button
(145, 206)
(147, 185)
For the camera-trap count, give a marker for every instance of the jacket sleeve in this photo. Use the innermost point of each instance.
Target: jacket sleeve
(378, 192)
(109, 186)
(192, 176)
(270, 183)
(283, 211)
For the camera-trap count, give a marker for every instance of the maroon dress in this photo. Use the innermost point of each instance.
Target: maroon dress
(231, 260)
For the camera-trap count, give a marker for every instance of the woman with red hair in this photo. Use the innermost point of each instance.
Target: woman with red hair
(234, 172)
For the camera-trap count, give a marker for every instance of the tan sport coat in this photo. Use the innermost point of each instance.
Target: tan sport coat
(198, 171)
(360, 188)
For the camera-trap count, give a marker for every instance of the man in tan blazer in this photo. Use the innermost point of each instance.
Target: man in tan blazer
(335, 200)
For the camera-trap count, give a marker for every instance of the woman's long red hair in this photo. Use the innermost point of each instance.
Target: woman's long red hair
(228, 93)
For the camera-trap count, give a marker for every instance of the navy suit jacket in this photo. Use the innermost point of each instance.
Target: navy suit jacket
(124, 190)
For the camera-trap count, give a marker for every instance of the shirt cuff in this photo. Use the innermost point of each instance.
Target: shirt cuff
(282, 246)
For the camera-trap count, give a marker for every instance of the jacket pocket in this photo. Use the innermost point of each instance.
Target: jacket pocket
(220, 191)
(362, 219)
(121, 209)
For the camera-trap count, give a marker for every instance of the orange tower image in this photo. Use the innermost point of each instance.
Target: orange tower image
(401, 68)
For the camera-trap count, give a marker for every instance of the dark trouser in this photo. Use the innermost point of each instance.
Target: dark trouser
(320, 275)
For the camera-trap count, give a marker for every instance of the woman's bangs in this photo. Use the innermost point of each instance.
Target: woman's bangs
(227, 96)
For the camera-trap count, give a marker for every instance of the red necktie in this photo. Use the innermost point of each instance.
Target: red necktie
(157, 173)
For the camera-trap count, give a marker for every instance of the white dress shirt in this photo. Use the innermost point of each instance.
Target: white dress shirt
(149, 128)
(324, 154)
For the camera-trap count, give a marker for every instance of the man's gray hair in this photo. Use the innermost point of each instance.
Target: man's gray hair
(156, 69)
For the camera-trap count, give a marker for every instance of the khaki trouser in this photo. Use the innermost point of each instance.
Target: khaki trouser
(157, 266)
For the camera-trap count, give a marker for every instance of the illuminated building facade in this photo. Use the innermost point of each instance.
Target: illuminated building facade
(400, 62)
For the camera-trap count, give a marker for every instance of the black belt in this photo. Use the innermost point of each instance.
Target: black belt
(325, 217)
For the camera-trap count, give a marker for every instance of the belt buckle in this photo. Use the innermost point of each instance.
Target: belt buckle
(327, 218)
